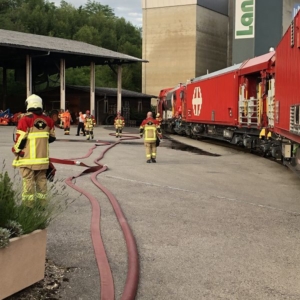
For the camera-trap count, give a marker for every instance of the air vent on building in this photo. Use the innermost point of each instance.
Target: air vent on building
(292, 34)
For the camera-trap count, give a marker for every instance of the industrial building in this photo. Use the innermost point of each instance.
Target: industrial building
(184, 39)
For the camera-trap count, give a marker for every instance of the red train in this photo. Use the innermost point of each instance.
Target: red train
(255, 104)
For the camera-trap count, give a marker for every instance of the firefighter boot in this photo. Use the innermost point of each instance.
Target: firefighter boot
(148, 161)
(153, 160)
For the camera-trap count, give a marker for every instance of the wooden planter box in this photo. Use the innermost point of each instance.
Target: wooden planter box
(22, 263)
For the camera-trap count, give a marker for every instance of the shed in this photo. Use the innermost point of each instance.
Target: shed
(134, 105)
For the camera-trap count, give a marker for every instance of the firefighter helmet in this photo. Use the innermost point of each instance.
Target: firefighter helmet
(158, 115)
(34, 102)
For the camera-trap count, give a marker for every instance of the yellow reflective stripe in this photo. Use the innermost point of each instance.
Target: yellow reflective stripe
(32, 148)
(22, 134)
(41, 196)
(147, 129)
(38, 135)
(32, 137)
(20, 131)
(27, 197)
(37, 161)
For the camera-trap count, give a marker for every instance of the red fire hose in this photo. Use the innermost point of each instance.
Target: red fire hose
(106, 279)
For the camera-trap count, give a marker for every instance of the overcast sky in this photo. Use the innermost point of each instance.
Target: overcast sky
(130, 10)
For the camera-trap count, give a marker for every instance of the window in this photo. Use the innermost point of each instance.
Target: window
(105, 109)
(297, 115)
(295, 119)
(140, 107)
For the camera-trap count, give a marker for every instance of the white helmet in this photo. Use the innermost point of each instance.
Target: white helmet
(158, 115)
(34, 102)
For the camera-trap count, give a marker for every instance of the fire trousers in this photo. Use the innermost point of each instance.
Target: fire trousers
(34, 185)
(67, 127)
(89, 133)
(119, 131)
(150, 150)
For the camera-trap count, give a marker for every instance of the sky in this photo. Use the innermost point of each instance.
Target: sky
(130, 10)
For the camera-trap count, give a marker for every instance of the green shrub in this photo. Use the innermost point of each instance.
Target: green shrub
(7, 199)
(4, 237)
(15, 228)
(17, 218)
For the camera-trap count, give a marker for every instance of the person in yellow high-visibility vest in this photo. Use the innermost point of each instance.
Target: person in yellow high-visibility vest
(150, 129)
(34, 133)
(119, 123)
(89, 124)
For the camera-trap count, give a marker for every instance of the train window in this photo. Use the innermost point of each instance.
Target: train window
(169, 101)
(181, 95)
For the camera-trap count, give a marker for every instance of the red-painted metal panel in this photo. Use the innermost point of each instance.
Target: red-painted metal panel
(287, 82)
(214, 99)
(257, 64)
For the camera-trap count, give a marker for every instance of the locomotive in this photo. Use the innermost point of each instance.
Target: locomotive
(254, 104)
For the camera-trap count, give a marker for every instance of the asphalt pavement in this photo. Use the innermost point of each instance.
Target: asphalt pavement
(210, 222)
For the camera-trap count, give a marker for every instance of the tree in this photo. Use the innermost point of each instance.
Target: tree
(92, 23)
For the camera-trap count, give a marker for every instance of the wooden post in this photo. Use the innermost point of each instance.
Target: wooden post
(119, 102)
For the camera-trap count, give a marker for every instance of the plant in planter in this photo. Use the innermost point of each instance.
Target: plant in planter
(23, 235)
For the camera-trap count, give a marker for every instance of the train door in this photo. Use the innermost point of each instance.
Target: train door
(183, 102)
(250, 101)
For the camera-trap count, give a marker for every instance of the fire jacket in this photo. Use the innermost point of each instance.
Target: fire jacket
(89, 122)
(150, 129)
(34, 133)
(119, 122)
(159, 120)
(66, 118)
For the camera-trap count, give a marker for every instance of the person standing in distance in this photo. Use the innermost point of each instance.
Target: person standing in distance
(89, 124)
(34, 133)
(158, 118)
(150, 129)
(119, 123)
(81, 119)
(66, 116)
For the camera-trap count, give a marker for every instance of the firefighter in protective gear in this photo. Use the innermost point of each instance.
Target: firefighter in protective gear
(119, 123)
(61, 118)
(158, 118)
(89, 124)
(66, 117)
(34, 133)
(150, 129)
